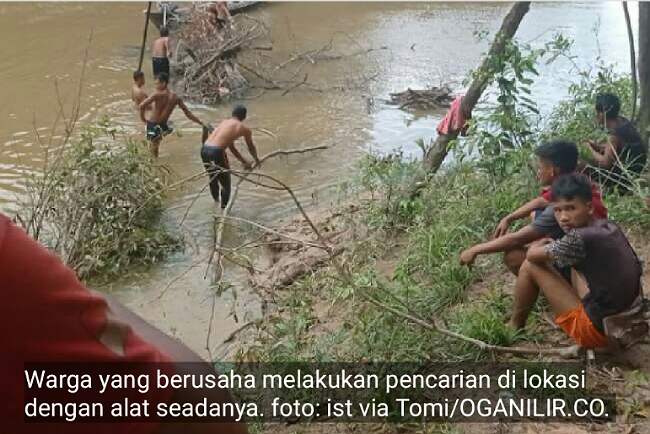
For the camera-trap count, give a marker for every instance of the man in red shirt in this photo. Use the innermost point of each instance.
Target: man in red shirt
(48, 316)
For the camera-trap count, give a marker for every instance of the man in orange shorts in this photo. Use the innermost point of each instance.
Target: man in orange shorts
(605, 271)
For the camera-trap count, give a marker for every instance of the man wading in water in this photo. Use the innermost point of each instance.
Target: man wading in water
(160, 53)
(165, 101)
(213, 152)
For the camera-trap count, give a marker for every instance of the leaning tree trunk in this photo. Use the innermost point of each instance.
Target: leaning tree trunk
(436, 154)
(644, 69)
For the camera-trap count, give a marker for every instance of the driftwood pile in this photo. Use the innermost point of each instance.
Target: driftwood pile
(428, 99)
(212, 63)
(206, 69)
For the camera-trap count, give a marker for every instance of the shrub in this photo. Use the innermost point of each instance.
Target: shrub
(98, 203)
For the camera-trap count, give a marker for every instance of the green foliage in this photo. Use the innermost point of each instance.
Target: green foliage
(510, 121)
(628, 210)
(486, 320)
(388, 178)
(98, 204)
(455, 212)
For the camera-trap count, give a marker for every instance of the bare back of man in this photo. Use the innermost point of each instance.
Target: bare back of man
(138, 95)
(160, 47)
(213, 153)
(164, 102)
(226, 133)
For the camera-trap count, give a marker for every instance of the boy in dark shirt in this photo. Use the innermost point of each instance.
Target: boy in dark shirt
(605, 271)
(624, 155)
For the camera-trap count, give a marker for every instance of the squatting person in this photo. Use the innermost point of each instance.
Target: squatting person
(624, 154)
(604, 275)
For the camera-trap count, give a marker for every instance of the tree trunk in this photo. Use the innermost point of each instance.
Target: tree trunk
(436, 154)
(644, 69)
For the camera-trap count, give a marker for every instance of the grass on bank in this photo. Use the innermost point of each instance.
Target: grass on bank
(492, 174)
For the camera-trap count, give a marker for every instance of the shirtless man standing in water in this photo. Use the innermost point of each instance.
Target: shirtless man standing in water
(138, 93)
(213, 152)
(164, 102)
(160, 53)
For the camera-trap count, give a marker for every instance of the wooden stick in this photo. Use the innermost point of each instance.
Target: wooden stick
(570, 351)
(144, 36)
(233, 197)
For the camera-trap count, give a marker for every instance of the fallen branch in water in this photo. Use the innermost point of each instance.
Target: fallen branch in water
(243, 177)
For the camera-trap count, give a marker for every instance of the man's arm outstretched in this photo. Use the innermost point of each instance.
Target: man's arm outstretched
(507, 242)
(188, 113)
(248, 137)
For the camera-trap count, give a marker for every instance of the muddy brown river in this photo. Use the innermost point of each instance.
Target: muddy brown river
(426, 44)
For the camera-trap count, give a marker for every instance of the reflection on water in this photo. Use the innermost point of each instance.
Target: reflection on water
(427, 44)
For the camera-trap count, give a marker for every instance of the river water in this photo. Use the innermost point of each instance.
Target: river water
(426, 44)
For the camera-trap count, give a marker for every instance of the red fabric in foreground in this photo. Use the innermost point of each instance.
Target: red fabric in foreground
(47, 315)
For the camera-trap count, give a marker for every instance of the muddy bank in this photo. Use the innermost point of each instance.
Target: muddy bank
(282, 260)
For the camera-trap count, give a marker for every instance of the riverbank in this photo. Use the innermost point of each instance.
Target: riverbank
(351, 124)
(403, 255)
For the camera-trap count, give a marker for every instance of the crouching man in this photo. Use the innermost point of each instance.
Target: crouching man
(605, 271)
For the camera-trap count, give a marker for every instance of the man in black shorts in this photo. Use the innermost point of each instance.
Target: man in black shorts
(215, 158)
(164, 102)
(160, 53)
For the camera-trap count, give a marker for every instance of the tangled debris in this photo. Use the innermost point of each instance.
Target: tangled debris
(212, 63)
(427, 99)
(205, 66)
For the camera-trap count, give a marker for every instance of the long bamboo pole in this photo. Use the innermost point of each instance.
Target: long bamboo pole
(144, 36)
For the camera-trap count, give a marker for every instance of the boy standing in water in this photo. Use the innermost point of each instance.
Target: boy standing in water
(160, 53)
(164, 102)
(214, 157)
(605, 271)
(138, 93)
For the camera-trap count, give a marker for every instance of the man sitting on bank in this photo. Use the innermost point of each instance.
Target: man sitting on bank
(554, 158)
(623, 157)
(605, 271)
